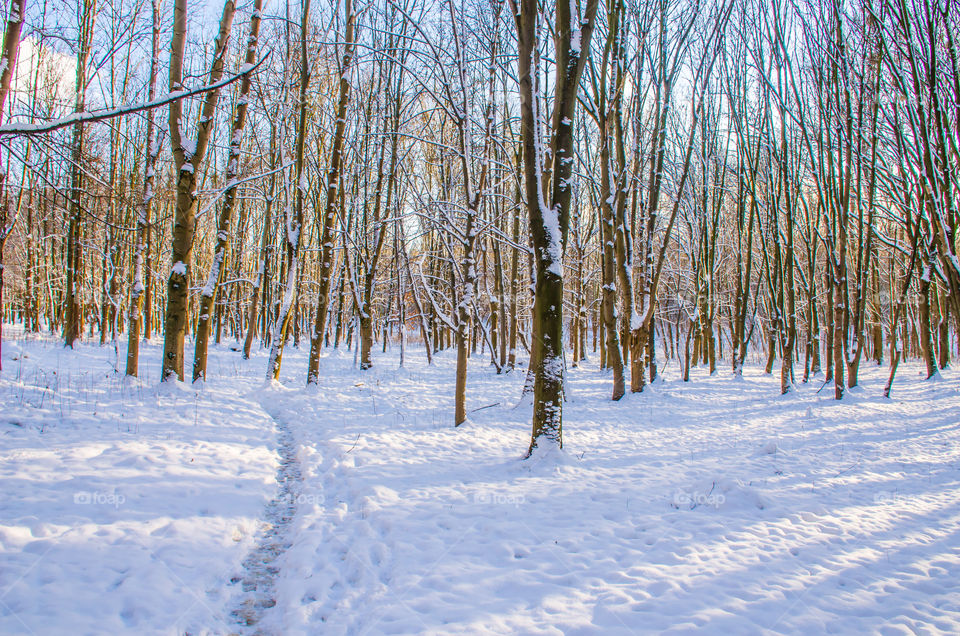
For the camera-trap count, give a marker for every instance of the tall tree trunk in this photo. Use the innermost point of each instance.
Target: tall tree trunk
(211, 290)
(333, 196)
(549, 221)
(188, 157)
(144, 213)
(8, 60)
(73, 312)
(293, 223)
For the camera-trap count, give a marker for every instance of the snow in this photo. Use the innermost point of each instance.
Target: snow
(575, 33)
(551, 224)
(213, 275)
(189, 146)
(126, 505)
(715, 505)
(179, 268)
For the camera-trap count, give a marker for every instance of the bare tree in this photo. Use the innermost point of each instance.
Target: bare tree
(209, 294)
(293, 219)
(548, 188)
(8, 61)
(333, 194)
(145, 212)
(189, 156)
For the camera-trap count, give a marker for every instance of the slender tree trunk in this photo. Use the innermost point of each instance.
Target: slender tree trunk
(208, 297)
(514, 285)
(293, 220)
(8, 60)
(943, 328)
(188, 157)
(72, 327)
(923, 316)
(839, 308)
(144, 213)
(259, 293)
(549, 222)
(333, 196)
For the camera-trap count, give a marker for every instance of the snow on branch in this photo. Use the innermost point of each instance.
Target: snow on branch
(104, 114)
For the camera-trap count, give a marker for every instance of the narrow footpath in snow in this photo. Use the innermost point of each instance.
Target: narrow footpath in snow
(261, 566)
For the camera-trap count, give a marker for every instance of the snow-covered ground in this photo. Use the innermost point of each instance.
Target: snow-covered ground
(715, 505)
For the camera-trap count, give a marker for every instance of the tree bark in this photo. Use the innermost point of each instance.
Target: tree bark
(72, 327)
(188, 158)
(333, 185)
(145, 212)
(549, 221)
(293, 222)
(8, 60)
(208, 297)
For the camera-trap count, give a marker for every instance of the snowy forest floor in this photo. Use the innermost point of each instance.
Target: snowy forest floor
(238, 507)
